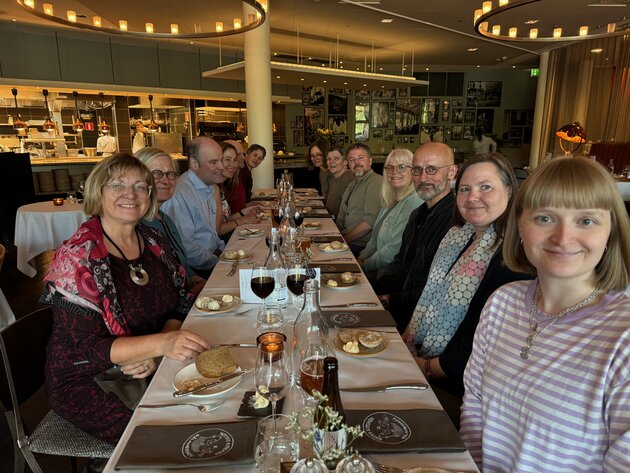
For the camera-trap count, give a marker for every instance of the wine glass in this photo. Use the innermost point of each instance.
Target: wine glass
(275, 443)
(298, 217)
(262, 282)
(278, 214)
(271, 374)
(296, 276)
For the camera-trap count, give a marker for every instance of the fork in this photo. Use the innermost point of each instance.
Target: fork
(205, 407)
(380, 468)
(233, 270)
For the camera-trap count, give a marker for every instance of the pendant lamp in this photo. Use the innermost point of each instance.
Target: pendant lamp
(18, 123)
(77, 125)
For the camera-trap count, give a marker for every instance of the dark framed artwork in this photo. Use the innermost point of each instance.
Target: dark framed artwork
(403, 93)
(337, 104)
(458, 115)
(399, 139)
(468, 132)
(380, 114)
(430, 111)
(362, 95)
(437, 134)
(469, 115)
(361, 132)
(407, 117)
(446, 104)
(362, 112)
(483, 93)
(485, 119)
(456, 132)
(316, 95)
(299, 121)
(313, 119)
(298, 137)
(389, 134)
(293, 125)
(445, 115)
(338, 124)
(377, 133)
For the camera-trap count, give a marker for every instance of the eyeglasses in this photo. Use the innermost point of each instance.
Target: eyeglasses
(317, 155)
(170, 175)
(118, 188)
(399, 168)
(430, 170)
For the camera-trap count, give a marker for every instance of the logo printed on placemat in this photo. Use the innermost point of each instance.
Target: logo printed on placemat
(345, 319)
(205, 444)
(385, 427)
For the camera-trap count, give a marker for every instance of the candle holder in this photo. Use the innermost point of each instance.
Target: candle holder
(58, 201)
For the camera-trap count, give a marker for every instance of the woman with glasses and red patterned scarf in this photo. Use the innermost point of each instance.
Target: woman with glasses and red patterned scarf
(119, 296)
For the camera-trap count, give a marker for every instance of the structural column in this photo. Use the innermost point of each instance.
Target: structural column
(534, 151)
(258, 97)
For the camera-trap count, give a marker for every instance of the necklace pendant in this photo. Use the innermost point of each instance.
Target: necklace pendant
(138, 275)
(525, 353)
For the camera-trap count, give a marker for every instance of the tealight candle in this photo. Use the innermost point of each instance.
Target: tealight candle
(58, 201)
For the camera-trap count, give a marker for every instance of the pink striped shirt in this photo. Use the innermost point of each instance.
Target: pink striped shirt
(567, 407)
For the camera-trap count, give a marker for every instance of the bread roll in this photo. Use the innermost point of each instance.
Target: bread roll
(370, 339)
(215, 362)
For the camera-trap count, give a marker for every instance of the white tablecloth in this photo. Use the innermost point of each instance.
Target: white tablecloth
(43, 226)
(395, 365)
(624, 190)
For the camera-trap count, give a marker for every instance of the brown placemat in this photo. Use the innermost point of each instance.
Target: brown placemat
(189, 445)
(359, 318)
(408, 430)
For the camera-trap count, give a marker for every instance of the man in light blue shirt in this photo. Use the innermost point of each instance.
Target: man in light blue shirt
(193, 206)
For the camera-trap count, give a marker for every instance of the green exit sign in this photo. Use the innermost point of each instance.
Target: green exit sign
(534, 72)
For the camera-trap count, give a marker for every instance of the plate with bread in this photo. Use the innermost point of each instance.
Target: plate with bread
(208, 366)
(217, 304)
(362, 343)
(251, 232)
(316, 225)
(235, 255)
(340, 281)
(333, 247)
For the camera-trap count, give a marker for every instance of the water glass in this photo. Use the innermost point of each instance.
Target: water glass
(275, 444)
(269, 319)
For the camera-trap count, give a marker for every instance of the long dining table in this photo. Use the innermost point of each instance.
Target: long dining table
(235, 327)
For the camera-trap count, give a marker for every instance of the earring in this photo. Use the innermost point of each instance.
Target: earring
(521, 240)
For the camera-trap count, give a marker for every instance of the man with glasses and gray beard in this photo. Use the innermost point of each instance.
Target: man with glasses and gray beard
(361, 202)
(401, 283)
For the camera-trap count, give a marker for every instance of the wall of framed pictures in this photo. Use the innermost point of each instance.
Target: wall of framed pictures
(500, 102)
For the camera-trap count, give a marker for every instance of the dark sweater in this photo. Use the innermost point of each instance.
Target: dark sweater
(405, 277)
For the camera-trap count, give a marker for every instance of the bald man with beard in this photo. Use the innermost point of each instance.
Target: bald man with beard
(402, 281)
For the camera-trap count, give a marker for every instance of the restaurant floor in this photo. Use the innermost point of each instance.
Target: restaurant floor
(23, 293)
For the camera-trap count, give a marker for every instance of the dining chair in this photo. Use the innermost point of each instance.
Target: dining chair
(3, 251)
(23, 368)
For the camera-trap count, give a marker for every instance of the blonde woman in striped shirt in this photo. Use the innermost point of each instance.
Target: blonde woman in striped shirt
(548, 381)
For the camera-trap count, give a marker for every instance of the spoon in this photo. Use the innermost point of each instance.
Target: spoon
(205, 407)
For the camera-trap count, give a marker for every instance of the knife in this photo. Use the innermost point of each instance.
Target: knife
(233, 270)
(332, 260)
(352, 304)
(219, 380)
(391, 387)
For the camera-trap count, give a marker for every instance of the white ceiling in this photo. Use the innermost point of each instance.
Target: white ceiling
(425, 34)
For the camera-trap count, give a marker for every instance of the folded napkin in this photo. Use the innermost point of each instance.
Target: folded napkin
(128, 389)
(189, 445)
(409, 430)
(359, 318)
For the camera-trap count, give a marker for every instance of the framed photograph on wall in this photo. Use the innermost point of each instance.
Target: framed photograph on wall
(299, 121)
(458, 115)
(337, 104)
(468, 132)
(313, 119)
(298, 137)
(316, 95)
(362, 112)
(446, 104)
(361, 132)
(380, 114)
(362, 95)
(456, 132)
(469, 115)
(403, 93)
(430, 110)
(445, 115)
(485, 119)
(377, 133)
(389, 134)
(483, 93)
(338, 124)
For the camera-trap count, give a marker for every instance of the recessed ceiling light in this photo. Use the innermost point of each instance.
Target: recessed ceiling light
(597, 50)
(340, 62)
(380, 68)
(387, 20)
(426, 68)
(13, 19)
(275, 54)
(310, 58)
(302, 78)
(471, 50)
(323, 65)
(325, 81)
(382, 86)
(533, 21)
(478, 65)
(192, 42)
(345, 83)
(513, 67)
(364, 85)
(277, 77)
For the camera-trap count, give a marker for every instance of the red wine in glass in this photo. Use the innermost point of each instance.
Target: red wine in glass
(295, 283)
(298, 218)
(278, 215)
(262, 286)
(279, 240)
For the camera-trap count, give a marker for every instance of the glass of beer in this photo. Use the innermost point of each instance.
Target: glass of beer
(312, 368)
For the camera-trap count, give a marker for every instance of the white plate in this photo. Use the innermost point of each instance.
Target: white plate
(246, 256)
(312, 225)
(338, 250)
(363, 351)
(251, 232)
(426, 469)
(225, 306)
(189, 374)
(340, 283)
